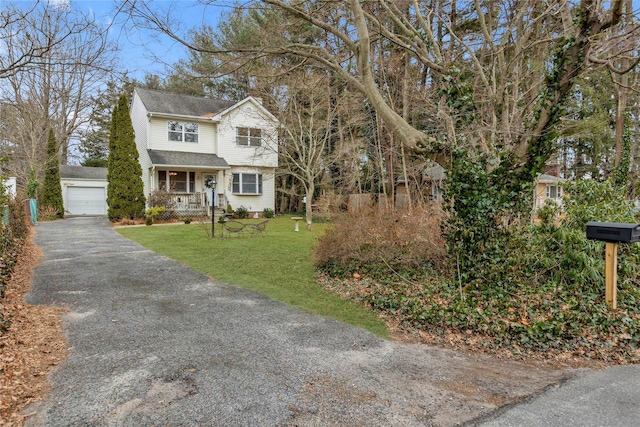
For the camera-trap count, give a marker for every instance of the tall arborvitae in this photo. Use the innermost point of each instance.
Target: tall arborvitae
(125, 193)
(52, 190)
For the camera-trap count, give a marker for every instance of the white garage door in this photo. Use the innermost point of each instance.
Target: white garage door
(86, 201)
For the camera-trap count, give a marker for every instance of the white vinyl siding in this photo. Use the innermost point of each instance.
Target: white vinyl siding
(247, 115)
(142, 132)
(157, 139)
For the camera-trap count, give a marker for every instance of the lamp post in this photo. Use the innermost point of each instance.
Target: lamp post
(210, 182)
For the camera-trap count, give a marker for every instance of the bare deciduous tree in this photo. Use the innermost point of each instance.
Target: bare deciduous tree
(500, 48)
(52, 90)
(307, 123)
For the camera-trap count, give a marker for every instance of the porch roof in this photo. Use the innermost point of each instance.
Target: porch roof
(182, 159)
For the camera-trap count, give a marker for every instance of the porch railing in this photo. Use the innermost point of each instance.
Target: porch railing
(180, 205)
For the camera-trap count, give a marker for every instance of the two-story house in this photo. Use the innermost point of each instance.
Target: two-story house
(201, 148)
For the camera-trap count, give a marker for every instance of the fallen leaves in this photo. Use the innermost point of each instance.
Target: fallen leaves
(32, 345)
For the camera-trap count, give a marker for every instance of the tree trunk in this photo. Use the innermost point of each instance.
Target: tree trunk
(622, 90)
(308, 208)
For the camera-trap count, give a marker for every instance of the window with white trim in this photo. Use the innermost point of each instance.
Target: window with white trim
(554, 192)
(177, 181)
(182, 131)
(250, 137)
(247, 183)
(436, 191)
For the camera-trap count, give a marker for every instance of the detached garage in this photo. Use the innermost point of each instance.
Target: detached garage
(84, 190)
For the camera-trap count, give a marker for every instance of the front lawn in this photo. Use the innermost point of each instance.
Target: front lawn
(278, 264)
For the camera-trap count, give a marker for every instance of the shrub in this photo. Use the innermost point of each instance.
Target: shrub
(187, 220)
(48, 213)
(229, 208)
(380, 243)
(161, 198)
(321, 217)
(32, 185)
(544, 292)
(153, 213)
(12, 238)
(242, 212)
(268, 213)
(51, 196)
(129, 221)
(18, 227)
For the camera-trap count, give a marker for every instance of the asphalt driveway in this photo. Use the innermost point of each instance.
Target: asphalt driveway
(156, 343)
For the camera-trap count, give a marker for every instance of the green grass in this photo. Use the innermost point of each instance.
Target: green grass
(278, 264)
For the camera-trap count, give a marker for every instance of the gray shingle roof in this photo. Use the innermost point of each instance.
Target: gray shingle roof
(178, 158)
(436, 172)
(82, 172)
(548, 179)
(184, 105)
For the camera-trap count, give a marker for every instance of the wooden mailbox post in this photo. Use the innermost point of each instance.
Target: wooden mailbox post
(612, 233)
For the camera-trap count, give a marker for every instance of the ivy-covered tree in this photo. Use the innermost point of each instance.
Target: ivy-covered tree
(621, 172)
(52, 191)
(125, 193)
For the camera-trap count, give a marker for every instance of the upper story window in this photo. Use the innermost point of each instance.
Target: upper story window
(250, 137)
(182, 131)
(247, 183)
(554, 192)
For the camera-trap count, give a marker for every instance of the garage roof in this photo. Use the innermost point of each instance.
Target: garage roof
(179, 158)
(82, 172)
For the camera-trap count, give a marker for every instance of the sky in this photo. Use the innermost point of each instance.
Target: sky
(144, 51)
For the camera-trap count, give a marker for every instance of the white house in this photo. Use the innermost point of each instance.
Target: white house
(195, 147)
(547, 187)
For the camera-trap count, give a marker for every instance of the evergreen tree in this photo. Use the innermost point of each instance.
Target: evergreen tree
(95, 139)
(52, 191)
(125, 193)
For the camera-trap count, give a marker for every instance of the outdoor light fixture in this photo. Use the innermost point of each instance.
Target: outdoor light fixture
(210, 182)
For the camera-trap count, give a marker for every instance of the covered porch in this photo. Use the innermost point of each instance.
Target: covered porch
(185, 204)
(187, 184)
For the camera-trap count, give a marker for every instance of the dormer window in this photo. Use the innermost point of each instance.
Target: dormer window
(182, 131)
(249, 137)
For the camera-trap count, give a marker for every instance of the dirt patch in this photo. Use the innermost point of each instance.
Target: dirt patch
(472, 345)
(32, 346)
